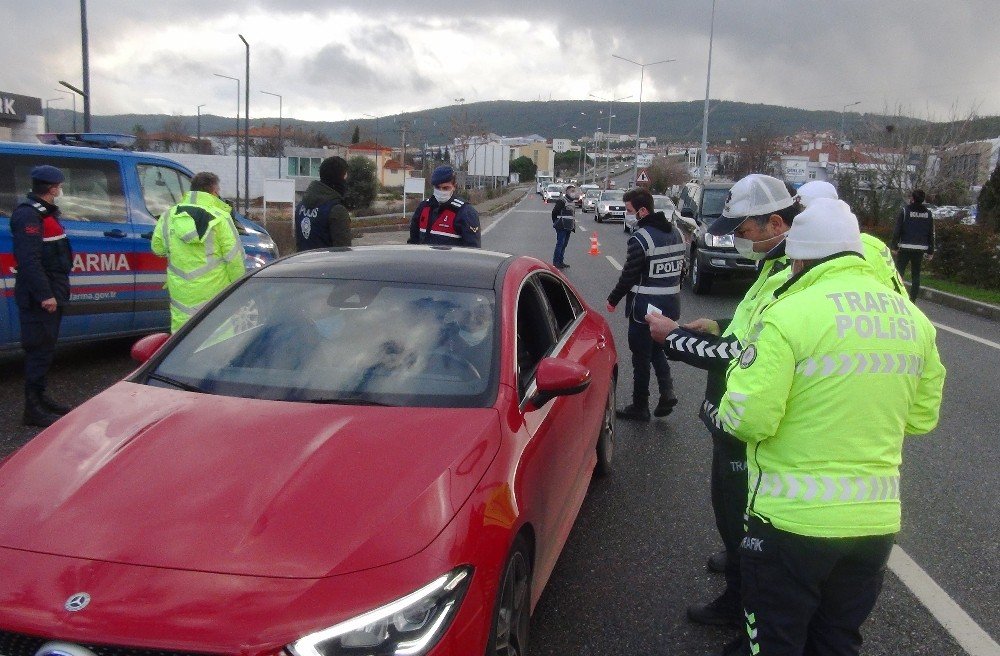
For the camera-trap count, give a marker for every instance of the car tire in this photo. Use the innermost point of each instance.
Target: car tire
(512, 608)
(606, 439)
(701, 280)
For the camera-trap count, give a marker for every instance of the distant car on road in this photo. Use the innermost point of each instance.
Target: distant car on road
(610, 206)
(665, 205)
(589, 203)
(350, 451)
(553, 192)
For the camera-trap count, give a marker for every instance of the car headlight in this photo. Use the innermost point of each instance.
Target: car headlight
(725, 241)
(409, 626)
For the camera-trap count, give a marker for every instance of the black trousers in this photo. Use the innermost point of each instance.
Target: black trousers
(807, 596)
(912, 257)
(39, 333)
(729, 500)
(645, 352)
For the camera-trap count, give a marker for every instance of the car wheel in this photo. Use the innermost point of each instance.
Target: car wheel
(509, 633)
(606, 440)
(701, 281)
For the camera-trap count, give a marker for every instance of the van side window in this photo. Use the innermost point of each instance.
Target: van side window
(162, 187)
(92, 190)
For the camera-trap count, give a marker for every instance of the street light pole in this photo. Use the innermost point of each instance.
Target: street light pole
(246, 135)
(85, 41)
(47, 110)
(607, 146)
(198, 146)
(236, 134)
(843, 133)
(708, 83)
(79, 91)
(73, 98)
(381, 178)
(281, 140)
(638, 123)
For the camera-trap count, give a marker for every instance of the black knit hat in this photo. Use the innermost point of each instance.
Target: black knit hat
(332, 171)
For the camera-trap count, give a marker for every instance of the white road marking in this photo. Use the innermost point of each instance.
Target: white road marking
(503, 216)
(955, 621)
(614, 262)
(966, 335)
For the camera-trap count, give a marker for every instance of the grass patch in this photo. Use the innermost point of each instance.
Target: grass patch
(960, 289)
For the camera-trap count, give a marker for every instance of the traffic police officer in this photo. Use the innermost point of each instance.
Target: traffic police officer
(444, 219)
(759, 212)
(651, 282)
(44, 259)
(564, 222)
(203, 250)
(835, 372)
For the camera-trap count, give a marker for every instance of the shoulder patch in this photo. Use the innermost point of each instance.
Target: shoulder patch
(457, 202)
(748, 356)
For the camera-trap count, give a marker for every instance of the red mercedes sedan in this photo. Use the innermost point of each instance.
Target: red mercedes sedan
(362, 451)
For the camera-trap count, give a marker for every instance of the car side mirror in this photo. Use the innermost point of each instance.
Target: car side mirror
(146, 347)
(558, 377)
(687, 213)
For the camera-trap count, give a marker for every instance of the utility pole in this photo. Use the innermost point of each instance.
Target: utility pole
(246, 136)
(638, 123)
(73, 97)
(198, 147)
(607, 147)
(85, 43)
(708, 82)
(281, 137)
(404, 126)
(236, 136)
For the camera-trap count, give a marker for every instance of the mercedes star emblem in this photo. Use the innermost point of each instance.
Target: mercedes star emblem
(77, 602)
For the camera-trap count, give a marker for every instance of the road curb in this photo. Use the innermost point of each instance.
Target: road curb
(955, 302)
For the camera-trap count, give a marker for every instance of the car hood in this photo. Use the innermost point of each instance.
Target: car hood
(157, 477)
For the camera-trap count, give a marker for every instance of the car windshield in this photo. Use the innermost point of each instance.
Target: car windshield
(341, 341)
(593, 193)
(613, 195)
(713, 201)
(554, 187)
(663, 203)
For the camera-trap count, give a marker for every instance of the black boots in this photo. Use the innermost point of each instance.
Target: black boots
(634, 412)
(665, 405)
(724, 610)
(40, 409)
(717, 562)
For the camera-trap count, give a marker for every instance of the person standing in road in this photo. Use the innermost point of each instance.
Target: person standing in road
(650, 282)
(823, 402)
(44, 258)
(321, 219)
(877, 254)
(444, 219)
(912, 238)
(564, 222)
(203, 250)
(758, 214)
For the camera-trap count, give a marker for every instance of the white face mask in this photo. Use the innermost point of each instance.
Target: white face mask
(442, 196)
(745, 247)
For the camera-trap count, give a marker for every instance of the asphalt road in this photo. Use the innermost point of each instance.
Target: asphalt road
(636, 556)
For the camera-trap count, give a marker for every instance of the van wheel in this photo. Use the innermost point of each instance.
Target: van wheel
(701, 280)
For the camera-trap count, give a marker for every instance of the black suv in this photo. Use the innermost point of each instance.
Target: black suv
(710, 258)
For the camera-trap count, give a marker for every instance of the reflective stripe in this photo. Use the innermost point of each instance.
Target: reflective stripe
(655, 291)
(195, 273)
(914, 247)
(189, 310)
(666, 250)
(846, 364)
(56, 238)
(188, 237)
(445, 234)
(861, 489)
(233, 253)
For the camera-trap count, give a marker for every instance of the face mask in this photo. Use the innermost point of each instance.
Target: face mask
(745, 247)
(475, 337)
(631, 217)
(59, 193)
(442, 196)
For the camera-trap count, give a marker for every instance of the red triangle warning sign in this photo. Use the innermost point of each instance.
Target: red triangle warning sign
(642, 177)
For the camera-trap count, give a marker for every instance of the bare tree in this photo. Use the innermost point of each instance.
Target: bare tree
(665, 173)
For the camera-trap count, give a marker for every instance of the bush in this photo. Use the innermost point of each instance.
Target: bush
(967, 254)
(361, 183)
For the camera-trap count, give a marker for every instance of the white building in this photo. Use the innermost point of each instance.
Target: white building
(562, 145)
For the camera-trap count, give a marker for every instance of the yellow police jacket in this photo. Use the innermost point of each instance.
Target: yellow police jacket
(203, 250)
(836, 371)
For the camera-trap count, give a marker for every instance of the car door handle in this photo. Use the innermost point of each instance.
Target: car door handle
(116, 233)
(147, 235)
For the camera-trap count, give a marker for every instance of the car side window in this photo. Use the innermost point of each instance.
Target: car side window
(162, 187)
(92, 190)
(534, 335)
(558, 297)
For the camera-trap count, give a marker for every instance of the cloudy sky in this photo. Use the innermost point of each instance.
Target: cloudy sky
(331, 61)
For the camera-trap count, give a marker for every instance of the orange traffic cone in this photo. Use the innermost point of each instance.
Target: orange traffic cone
(595, 247)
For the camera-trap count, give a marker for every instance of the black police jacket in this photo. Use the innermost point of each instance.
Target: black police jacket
(42, 253)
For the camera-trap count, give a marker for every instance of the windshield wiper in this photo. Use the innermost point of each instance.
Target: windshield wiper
(352, 401)
(176, 383)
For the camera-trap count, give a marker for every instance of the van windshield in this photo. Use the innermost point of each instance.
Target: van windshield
(713, 201)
